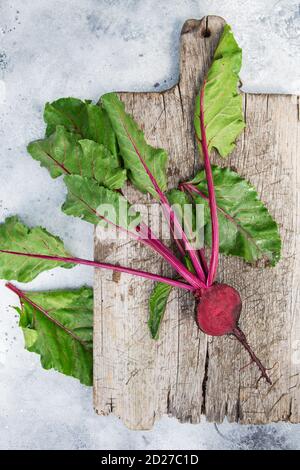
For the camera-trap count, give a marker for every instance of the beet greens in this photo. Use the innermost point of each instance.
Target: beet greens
(96, 149)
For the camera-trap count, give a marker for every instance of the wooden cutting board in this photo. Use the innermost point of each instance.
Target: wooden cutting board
(187, 374)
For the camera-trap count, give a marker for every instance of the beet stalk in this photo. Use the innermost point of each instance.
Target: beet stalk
(112, 267)
(144, 235)
(213, 265)
(171, 216)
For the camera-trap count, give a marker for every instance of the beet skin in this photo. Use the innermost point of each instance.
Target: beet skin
(219, 310)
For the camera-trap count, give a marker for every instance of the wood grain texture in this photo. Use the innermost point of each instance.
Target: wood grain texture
(186, 374)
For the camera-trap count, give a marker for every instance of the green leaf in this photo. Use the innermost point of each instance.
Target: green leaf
(246, 228)
(68, 112)
(60, 153)
(15, 236)
(89, 201)
(223, 111)
(158, 301)
(101, 165)
(157, 305)
(64, 153)
(88, 120)
(59, 327)
(99, 128)
(132, 143)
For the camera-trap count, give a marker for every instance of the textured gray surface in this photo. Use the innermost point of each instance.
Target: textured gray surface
(54, 48)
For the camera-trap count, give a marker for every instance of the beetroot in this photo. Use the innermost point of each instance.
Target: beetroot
(218, 312)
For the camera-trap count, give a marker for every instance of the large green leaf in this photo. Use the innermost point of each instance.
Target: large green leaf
(88, 120)
(58, 325)
(158, 302)
(64, 152)
(246, 228)
(157, 306)
(133, 145)
(15, 236)
(223, 112)
(91, 202)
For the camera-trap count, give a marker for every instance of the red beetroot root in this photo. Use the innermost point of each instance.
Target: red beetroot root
(219, 310)
(218, 313)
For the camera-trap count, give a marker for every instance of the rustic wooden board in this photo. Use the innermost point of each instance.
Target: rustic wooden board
(186, 374)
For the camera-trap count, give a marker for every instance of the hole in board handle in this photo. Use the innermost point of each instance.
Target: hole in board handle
(205, 33)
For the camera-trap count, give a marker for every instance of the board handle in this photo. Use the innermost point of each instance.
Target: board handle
(199, 39)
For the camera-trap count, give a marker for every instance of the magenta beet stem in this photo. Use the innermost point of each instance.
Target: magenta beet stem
(213, 265)
(170, 214)
(156, 245)
(149, 238)
(15, 289)
(203, 261)
(193, 189)
(201, 251)
(190, 187)
(96, 264)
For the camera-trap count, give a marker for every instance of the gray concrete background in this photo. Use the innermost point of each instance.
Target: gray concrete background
(83, 48)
